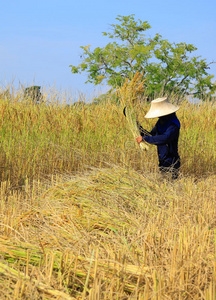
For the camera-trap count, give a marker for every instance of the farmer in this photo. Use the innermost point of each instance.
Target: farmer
(164, 135)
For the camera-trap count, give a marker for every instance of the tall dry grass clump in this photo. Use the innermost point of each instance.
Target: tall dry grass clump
(198, 136)
(37, 140)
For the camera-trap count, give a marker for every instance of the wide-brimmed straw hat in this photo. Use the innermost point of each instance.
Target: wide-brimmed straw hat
(160, 107)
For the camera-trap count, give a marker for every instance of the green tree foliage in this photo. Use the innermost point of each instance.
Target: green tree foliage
(167, 67)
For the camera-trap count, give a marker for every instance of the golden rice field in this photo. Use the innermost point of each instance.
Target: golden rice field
(84, 213)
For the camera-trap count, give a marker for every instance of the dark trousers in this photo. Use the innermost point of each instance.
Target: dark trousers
(168, 168)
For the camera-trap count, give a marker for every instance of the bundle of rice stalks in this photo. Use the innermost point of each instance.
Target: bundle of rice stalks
(53, 273)
(129, 94)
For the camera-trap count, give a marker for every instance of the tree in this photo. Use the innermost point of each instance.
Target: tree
(166, 67)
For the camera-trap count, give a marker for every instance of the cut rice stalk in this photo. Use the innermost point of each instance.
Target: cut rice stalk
(129, 94)
(131, 119)
(10, 272)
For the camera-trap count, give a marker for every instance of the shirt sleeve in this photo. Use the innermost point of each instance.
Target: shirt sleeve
(166, 137)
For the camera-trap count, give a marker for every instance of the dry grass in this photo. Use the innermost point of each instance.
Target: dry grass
(37, 140)
(84, 213)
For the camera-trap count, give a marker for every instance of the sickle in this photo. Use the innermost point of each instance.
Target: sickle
(124, 111)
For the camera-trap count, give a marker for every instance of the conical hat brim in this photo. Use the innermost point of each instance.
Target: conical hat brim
(160, 107)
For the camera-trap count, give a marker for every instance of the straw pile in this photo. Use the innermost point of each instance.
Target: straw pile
(109, 234)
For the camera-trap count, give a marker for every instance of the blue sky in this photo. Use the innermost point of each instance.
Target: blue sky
(39, 39)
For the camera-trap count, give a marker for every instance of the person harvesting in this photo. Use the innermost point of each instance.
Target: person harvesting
(164, 135)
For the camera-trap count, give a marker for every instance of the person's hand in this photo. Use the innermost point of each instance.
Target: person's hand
(139, 139)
